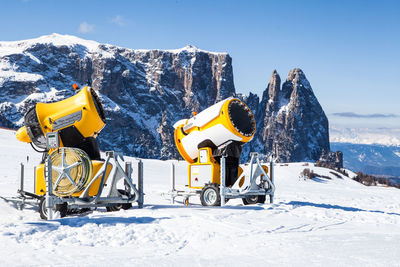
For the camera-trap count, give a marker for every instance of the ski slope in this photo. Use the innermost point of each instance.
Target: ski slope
(336, 222)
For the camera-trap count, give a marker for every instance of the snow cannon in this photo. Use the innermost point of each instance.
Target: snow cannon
(211, 142)
(77, 120)
(227, 121)
(65, 132)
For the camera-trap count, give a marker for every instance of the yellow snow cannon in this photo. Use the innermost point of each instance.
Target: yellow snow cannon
(66, 132)
(75, 118)
(216, 132)
(75, 122)
(226, 121)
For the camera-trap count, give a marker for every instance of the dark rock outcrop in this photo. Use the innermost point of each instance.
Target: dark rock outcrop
(330, 158)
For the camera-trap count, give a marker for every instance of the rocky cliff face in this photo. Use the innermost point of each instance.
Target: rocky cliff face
(290, 121)
(146, 91)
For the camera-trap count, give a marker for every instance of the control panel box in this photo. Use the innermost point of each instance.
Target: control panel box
(52, 140)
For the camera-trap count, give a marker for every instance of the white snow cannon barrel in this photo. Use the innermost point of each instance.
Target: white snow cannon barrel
(228, 120)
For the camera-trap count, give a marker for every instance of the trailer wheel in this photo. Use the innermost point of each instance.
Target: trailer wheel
(62, 208)
(114, 208)
(249, 200)
(124, 206)
(261, 199)
(210, 195)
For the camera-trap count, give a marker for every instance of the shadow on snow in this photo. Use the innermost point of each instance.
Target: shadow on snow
(101, 220)
(200, 207)
(329, 206)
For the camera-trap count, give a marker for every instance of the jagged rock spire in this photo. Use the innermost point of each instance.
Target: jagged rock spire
(273, 89)
(290, 121)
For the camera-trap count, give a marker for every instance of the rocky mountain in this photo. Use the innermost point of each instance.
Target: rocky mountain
(146, 91)
(290, 121)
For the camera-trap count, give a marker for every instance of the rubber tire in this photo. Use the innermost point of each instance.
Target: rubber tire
(204, 194)
(261, 199)
(250, 200)
(114, 208)
(62, 208)
(124, 206)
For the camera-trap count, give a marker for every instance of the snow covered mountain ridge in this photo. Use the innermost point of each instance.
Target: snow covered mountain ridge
(370, 150)
(146, 91)
(55, 39)
(371, 136)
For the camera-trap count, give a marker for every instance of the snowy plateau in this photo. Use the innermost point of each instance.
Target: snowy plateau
(329, 222)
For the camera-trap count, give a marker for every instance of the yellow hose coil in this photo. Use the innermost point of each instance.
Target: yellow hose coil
(71, 170)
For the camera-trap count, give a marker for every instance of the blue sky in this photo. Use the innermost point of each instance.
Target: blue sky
(349, 50)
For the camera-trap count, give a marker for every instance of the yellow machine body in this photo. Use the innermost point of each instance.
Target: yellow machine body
(83, 111)
(22, 135)
(203, 169)
(195, 138)
(217, 124)
(40, 181)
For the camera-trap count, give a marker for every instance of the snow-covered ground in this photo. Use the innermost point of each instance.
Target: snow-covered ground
(336, 222)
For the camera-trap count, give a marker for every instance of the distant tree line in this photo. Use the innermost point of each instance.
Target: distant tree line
(365, 179)
(331, 166)
(371, 180)
(310, 174)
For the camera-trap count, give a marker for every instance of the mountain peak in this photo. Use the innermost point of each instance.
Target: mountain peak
(288, 117)
(59, 40)
(190, 47)
(295, 73)
(55, 39)
(194, 49)
(274, 87)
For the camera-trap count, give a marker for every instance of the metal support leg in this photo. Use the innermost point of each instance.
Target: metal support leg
(172, 183)
(21, 184)
(140, 184)
(128, 171)
(49, 191)
(271, 167)
(223, 176)
(21, 187)
(34, 179)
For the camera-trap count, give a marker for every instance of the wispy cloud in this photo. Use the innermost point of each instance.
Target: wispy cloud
(85, 27)
(118, 20)
(355, 115)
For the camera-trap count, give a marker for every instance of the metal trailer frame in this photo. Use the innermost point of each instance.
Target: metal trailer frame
(23, 198)
(256, 170)
(265, 188)
(173, 193)
(107, 198)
